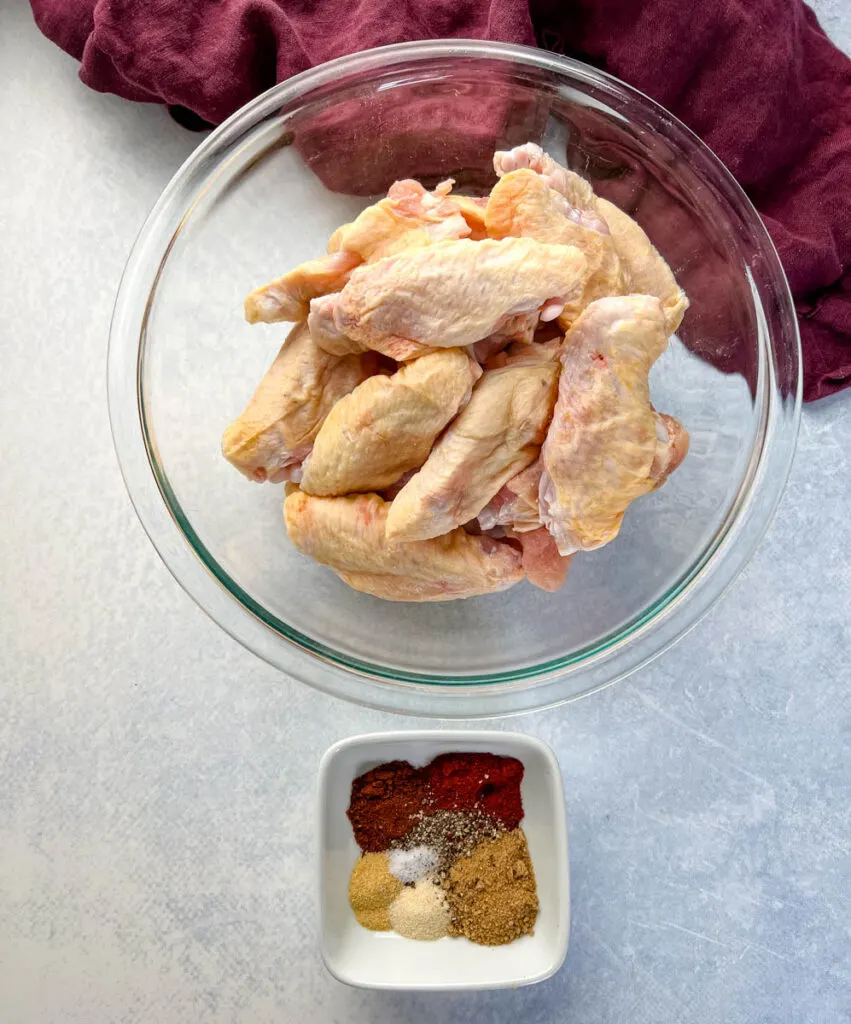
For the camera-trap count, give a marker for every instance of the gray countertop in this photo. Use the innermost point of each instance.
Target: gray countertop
(157, 781)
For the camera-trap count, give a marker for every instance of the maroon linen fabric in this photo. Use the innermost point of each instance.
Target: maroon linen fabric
(757, 79)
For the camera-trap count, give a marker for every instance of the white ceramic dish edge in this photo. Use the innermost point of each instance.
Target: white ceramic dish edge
(376, 960)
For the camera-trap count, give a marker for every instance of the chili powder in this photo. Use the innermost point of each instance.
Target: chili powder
(385, 804)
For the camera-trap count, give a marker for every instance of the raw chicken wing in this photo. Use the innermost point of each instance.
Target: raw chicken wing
(387, 425)
(275, 432)
(452, 294)
(464, 402)
(523, 205)
(604, 440)
(349, 535)
(572, 186)
(288, 297)
(644, 269)
(409, 216)
(495, 436)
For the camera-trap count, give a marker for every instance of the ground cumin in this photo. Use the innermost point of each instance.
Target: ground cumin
(492, 893)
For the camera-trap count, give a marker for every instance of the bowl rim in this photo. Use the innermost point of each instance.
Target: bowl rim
(513, 744)
(384, 687)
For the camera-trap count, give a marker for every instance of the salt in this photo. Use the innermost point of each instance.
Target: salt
(411, 865)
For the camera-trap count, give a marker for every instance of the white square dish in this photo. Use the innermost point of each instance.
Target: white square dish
(385, 960)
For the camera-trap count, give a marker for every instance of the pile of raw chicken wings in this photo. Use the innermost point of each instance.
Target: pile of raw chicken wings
(463, 402)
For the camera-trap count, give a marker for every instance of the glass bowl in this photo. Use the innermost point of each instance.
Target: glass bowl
(264, 192)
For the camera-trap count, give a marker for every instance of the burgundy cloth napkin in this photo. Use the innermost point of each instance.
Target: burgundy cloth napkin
(758, 81)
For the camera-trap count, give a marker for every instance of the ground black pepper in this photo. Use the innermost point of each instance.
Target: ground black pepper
(451, 834)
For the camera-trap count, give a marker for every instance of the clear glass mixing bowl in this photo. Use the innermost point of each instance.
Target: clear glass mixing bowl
(264, 192)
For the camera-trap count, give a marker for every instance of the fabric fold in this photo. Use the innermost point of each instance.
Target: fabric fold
(759, 82)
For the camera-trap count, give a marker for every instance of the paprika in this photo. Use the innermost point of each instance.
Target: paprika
(477, 782)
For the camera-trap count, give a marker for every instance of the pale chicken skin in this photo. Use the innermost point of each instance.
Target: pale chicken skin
(275, 433)
(496, 435)
(604, 440)
(643, 269)
(349, 534)
(387, 425)
(324, 330)
(523, 205)
(453, 294)
(572, 186)
(328, 336)
(409, 216)
(288, 297)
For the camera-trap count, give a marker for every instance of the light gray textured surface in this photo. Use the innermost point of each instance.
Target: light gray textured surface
(156, 781)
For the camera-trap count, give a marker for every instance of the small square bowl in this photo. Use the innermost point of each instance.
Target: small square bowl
(385, 960)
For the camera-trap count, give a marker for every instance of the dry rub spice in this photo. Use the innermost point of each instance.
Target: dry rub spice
(492, 891)
(450, 834)
(385, 803)
(371, 891)
(410, 866)
(421, 912)
(447, 831)
(478, 782)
